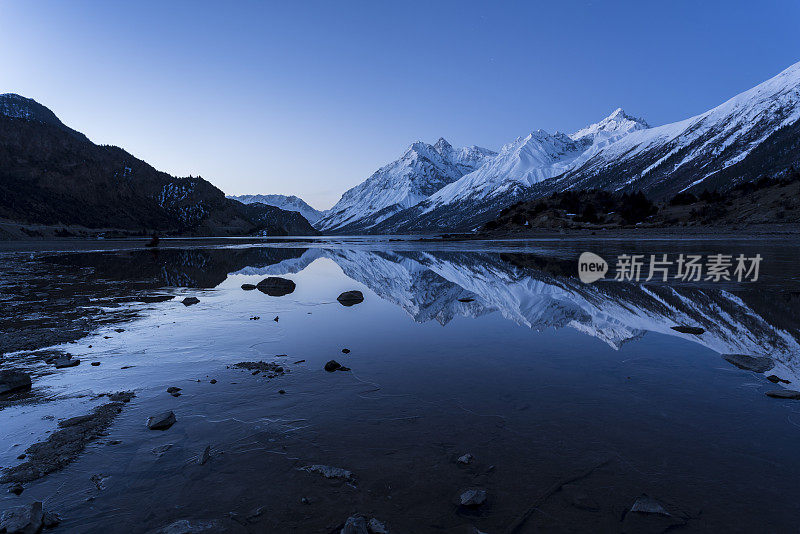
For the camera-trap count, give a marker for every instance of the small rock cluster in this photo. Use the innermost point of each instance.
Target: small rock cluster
(268, 369)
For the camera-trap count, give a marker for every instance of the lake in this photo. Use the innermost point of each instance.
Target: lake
(472, 365)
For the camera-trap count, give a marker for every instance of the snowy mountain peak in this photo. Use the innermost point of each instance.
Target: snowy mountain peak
(421, 171)
(615, 125)
(443, 147)
(519, 164)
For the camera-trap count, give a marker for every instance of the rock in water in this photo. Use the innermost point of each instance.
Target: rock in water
(328, 471)
(472, 497)
(377, 527)
(333, 365)
(648, 505)
(275, 286)
(122, 396)
(13, 380)
(776, 379)
(65, 361)
(784, 394)
(758, 364)
(350, 298)
(27, 519)
(51, 520)
(206, 456)
(648, 515)
(686, 329)
(466, 459)
(173, 389)
(188, 301)
(355, 525)
(248, 287)
(161, 421)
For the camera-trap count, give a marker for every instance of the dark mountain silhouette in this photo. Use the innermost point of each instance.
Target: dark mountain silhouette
(53, 177)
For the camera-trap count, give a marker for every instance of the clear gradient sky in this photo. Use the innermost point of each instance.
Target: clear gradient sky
(311, 98)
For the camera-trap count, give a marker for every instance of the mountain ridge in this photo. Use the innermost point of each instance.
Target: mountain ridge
(750, 134)
(54, 181)
(284, 202)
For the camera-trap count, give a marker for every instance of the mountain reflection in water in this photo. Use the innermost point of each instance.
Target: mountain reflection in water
(534, 290)
(540, 292)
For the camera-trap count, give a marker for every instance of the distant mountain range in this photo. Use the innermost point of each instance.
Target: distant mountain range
(53, 176)
(288, 203)
(54, 181)
(754, 134)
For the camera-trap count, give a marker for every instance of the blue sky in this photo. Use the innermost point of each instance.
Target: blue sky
(311, 98)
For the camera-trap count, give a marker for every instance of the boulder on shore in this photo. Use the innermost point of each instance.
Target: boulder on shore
(188, 301)
(350, 298)
(14, 380)
(275, 286)
(161, 421)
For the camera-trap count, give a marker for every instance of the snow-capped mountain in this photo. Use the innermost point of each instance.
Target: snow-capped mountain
(421, 171)
(284, 202)
(710, 150)
(532, 159)
(756, 132)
